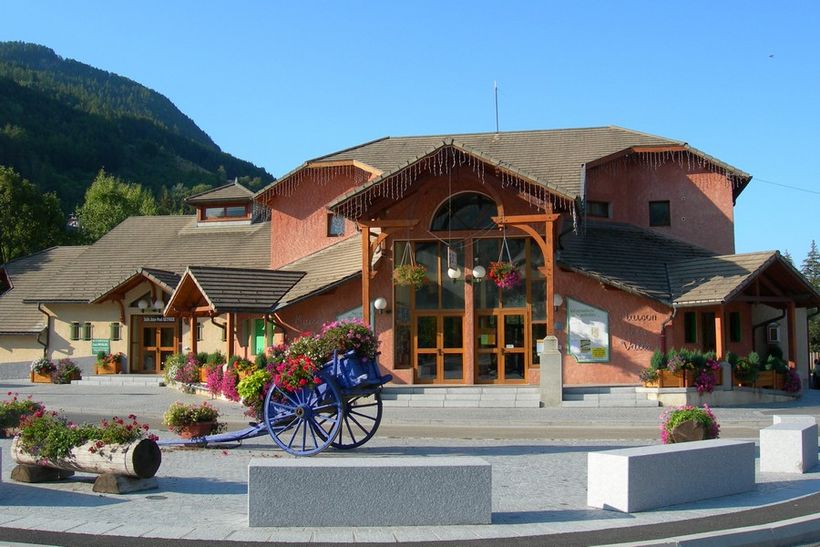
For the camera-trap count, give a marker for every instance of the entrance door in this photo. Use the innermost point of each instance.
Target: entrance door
(501, 347)
(259, 338)
(439, 348)
(159, 341)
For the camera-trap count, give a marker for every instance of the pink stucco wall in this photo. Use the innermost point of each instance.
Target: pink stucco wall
(700, 201)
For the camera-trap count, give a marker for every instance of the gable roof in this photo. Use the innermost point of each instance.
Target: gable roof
(551, 158)
(168, 243)
(166, 280)
(645, 263)
(28, 275)
(235, 290)
(232, 191)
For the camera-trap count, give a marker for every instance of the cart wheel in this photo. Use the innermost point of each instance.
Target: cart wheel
(362, 416)
(303, 421)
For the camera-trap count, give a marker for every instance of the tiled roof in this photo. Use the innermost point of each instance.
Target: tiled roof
(167, 280)
(243, 290)
(29, 275)
(627, 257)
(324, 269)
(229, 192)
(717, 279)
(169, 243)
(552, 158)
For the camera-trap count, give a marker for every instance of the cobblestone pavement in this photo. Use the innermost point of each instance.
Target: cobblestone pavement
(539, 484)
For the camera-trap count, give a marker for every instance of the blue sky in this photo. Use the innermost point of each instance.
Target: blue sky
(277, 83)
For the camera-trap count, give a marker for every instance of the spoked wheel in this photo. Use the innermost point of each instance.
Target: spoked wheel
(362, 416)
(303, 422)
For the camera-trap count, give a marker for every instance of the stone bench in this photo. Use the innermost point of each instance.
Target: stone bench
(789, 445)
(648, 477)
(392, 491)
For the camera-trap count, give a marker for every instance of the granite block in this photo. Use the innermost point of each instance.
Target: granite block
(789, 446)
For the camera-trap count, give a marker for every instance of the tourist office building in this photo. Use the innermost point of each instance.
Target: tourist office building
(623, 243)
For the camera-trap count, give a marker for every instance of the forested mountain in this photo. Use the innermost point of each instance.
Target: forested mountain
(62, 121)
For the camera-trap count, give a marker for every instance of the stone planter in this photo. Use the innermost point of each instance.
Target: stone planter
(195, 430)
(41, 378)
(139, 459)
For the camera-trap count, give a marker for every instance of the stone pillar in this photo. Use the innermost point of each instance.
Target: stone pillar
(552, 379)
(726, 371)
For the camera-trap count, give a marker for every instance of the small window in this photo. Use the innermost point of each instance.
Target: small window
(225, 333)
(598, 209)
(75, 330)
(734, 326)
(115, 331)
(214, 212)
(219, 213)
(236, 211)
(87, 331)
(335, 225)
(199, 331)
(659, 214)
(690, 322)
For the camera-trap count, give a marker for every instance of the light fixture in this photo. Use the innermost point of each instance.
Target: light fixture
(159, 304)
(479, 272)
(142, 304)
(454, 273)
(380, 304)
(557, 300)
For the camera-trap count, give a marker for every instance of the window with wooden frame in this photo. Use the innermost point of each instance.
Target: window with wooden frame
(225, 212)
(659, 213)
(114, 331)
(735, 329)
(335, 225)
(690, 327)
(87, 330)
(198, 331)
(74, 331)
(598, 209)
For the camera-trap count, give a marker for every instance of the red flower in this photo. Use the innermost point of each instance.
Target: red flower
(100, 444)
(132, 417)
(302, 382)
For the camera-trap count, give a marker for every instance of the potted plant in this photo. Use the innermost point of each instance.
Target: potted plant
(745, 370)
(243, 367)
(689, 423)
(12, 412)
(191, 420)
(504, 274)
(65, 371)
(41, 370)
(410, 275)
(649, 377)
(109, 363)
(212, 361)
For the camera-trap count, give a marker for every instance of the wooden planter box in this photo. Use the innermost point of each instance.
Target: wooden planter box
(769, 379)
(40, 378)
(108, 368)
(680, 378)
(203, 375)
(138, 459)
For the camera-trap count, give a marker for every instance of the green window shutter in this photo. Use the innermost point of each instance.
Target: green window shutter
(75, 330)
(690, 321)
(114, 331)
(734, 327)
(87, 330)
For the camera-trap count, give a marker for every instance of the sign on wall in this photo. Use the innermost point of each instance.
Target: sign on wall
(100, 344)
(588, 332)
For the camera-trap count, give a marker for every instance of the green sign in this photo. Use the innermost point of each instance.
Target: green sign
(100, 344)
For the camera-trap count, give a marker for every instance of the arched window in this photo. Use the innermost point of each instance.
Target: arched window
(466, 211)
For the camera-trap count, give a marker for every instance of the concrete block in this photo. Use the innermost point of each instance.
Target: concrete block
(793, 419)
(552, 380)
(392, 491)
(648, 477)
(788, 446)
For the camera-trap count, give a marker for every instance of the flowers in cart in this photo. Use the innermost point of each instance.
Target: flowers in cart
(296, 372)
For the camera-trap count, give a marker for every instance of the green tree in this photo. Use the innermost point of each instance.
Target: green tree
(29, 220)
(788, 256)
(811, 269)
(109, 201)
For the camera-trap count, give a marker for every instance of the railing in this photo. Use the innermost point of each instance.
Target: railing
(813, 357)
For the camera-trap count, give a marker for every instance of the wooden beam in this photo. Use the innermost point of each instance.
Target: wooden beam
(380, 223)
(792, 334)
(769, 285)
(122, 310)
(192, 328)
(229, 334)
(719, 345)
(515, 220)
(769, 299)
(366, 274)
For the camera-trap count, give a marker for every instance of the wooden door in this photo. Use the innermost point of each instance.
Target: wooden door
(502, 343)
(438, 351)
(159, 340)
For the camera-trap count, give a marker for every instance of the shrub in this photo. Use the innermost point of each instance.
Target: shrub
(188, 372)
(172, 365)
(792, 383)
(65, 371)
(215, 358)
(228, 386)
(252, 390)
(213, 380)
(13, 410)
(702, 416)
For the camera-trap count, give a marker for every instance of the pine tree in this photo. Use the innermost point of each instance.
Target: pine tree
(811, 265)
(787, 255)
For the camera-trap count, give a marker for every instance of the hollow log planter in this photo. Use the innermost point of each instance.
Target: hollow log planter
(122, 467)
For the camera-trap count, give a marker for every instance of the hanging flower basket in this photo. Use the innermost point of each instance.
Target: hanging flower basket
(504, 274)
(410, 275)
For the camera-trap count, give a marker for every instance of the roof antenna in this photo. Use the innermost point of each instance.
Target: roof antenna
(495, 89)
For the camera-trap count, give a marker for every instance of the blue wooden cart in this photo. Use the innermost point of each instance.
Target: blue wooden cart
(343, 411)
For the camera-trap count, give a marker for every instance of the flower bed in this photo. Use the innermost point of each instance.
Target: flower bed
(13, 410)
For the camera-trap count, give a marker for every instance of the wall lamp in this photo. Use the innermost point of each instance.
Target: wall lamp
(557, 300)
(381, 305)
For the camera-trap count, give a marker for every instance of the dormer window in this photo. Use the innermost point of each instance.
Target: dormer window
(230, 203)
(228, 212)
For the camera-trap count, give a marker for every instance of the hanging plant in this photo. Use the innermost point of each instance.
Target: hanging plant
(410, 275)
(504, 274)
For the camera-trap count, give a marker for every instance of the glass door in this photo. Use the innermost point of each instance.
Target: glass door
(159, 341)
(439, 348)
(501, 347)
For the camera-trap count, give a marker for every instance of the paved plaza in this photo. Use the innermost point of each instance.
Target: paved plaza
(538, 457)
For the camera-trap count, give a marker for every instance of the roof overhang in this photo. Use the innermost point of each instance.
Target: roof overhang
(160, 278)
(318, 169)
